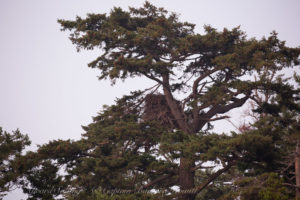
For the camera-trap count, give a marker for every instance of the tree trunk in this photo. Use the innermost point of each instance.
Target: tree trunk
(186, 179)
(297, 171)
(186, 175)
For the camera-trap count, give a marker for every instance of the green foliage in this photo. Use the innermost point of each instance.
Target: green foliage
(123, 195)
(11, 147)
(124, 150)
(149, 41)
(268, 186)
(43, 182)
(221, 186)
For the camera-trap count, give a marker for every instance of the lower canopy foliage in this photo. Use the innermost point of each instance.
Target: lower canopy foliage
(124, 156)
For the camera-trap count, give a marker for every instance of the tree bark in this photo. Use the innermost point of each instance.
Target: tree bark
(186, 179)
(186, 175)
(297, 171)
(214, 176)
(179, 117)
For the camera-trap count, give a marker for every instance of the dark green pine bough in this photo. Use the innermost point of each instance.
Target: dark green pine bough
(11, 147)
(160, 138)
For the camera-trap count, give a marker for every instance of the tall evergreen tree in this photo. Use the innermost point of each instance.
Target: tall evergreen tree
(153, 141)
(211, 72)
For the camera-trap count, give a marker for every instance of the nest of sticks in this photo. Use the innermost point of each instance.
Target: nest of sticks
(157, 109)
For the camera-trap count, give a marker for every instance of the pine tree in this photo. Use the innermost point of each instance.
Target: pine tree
(160, 138)
(209, 69)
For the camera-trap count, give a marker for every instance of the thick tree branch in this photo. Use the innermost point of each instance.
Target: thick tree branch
(196, 109)
(174, 107)
(157, 180)
(218, 109)
(214, 119)
(290, 185)
(213, 177)
(203, 76)
(152, 78)
(201, 167)
(221, 109)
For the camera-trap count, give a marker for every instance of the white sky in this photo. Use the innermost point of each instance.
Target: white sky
(46, 88)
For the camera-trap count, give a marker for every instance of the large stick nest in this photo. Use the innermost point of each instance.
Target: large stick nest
(157, 109)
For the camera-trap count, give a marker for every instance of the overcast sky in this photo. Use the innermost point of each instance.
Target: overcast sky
(46, 88)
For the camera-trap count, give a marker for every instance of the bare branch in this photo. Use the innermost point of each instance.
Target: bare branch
(157, 180)
(290, 185)
(152, 78)
(218, 118)
(221, 109)
(203, 85)
(201, 167)
(143, 99)
(203, 76)
(213, 177)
